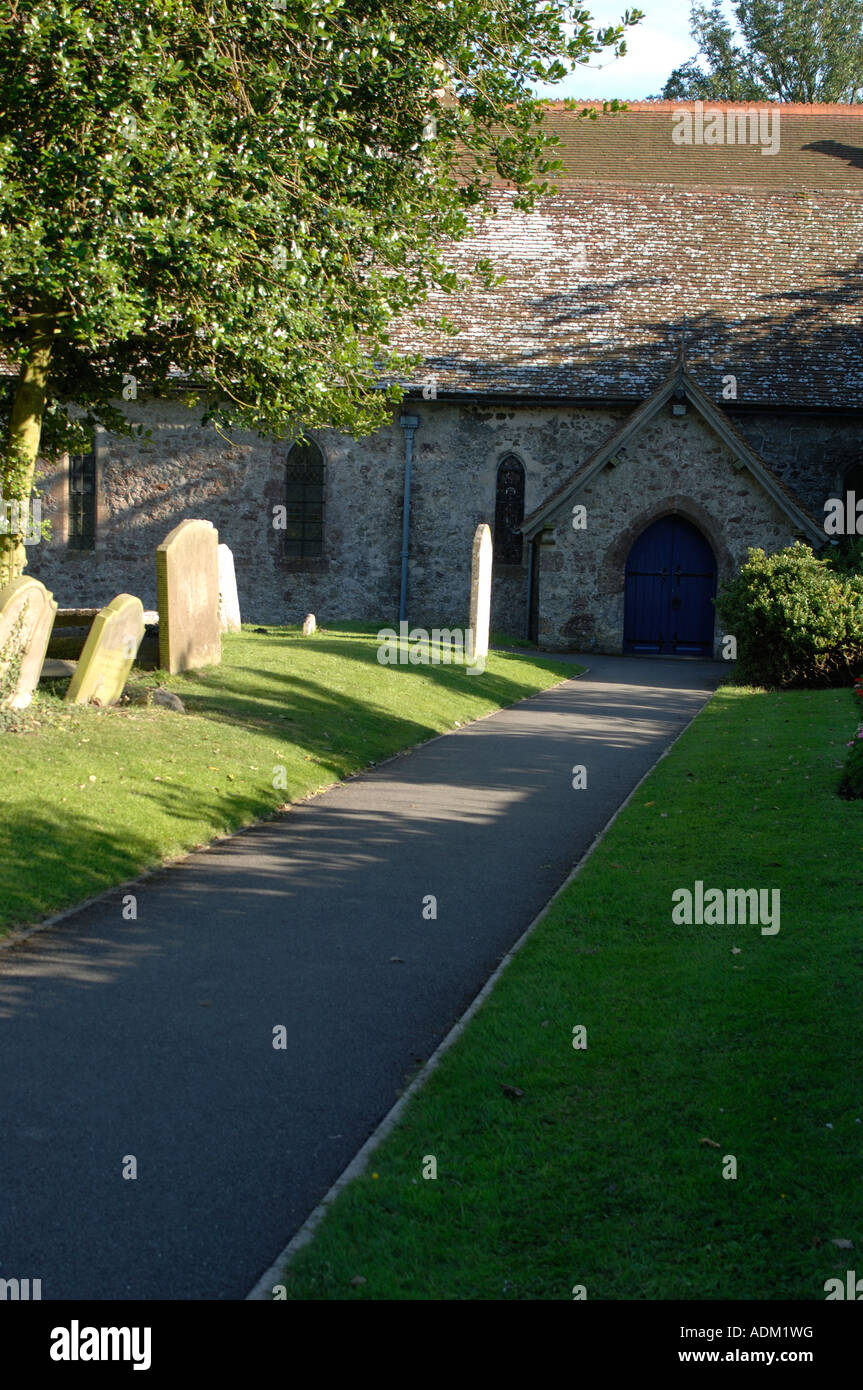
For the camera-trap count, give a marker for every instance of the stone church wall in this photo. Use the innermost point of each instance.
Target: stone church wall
(676, 464)
(147, 486)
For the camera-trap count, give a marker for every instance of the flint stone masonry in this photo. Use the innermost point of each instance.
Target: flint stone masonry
(26, 617)
(229, 603)
(457, 450)
(111, 647)
(480, 594)
(187, 575)
(674, 466)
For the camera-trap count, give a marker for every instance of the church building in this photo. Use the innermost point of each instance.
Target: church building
(670, 373)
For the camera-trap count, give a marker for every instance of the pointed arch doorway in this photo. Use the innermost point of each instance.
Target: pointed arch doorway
(670, 582)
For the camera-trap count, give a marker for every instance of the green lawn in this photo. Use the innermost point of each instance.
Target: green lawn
(702, 1042)
(94, 797)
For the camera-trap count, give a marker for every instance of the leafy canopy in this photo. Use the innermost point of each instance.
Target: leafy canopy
(783, 50)
(246, 192)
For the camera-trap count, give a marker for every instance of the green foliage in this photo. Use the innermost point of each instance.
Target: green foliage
(797, 622)
(846, 557)
(244, 193)
(792, 50)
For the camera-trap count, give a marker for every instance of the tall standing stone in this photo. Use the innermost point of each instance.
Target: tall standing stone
(187, 584)
(229, 599)
(26, 617)
(480, 594)
(111, 647)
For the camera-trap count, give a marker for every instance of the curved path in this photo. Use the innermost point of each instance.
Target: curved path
(154, 1038)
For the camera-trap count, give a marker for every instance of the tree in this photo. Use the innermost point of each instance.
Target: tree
(792, 50)
(246, 192)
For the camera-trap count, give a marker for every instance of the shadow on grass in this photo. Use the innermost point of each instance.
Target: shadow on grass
(49, 863)
(285, 696)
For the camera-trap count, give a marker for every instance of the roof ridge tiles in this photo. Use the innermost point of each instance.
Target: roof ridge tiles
(825, 108)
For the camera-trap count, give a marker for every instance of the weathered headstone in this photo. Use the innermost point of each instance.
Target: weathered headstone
(187, 584)
(26, 617)
(111, 647)
(309, 625)
(480, 594)
(229, 601)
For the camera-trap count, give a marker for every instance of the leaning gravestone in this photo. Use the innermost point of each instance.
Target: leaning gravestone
(187, 584)
(26, 617)
(480, 594)
(229, 602)
(111, 647)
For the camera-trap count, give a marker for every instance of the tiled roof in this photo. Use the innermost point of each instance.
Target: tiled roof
(818, 147)
(763, 255)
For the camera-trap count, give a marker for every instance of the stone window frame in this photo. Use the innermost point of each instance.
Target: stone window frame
(294, 563)
(509, 566)
(85, 540)
(58, 488)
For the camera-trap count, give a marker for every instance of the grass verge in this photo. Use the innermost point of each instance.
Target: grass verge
(94, 797)
(703, 1042)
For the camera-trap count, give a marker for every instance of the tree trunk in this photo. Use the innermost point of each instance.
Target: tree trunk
(25, 431)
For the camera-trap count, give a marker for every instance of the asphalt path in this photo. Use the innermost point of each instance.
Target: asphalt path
(153, 1038)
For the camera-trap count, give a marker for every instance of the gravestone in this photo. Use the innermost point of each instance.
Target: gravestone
(111, 647)
(480, 594)
(309, 625)
(187, 584)
(229, 602)
(26, 617)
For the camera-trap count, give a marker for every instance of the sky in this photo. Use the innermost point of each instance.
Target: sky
(660, 43)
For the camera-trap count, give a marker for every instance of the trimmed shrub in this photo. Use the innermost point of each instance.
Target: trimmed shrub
(796, 620)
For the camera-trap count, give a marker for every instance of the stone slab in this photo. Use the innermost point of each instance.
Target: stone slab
(480, 594)
(27, 612)
(187, 583)
(229, 599)
(111, 647)
(54, 669)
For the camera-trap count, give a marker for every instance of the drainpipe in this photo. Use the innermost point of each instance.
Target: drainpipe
(531, 544)
(410, 424)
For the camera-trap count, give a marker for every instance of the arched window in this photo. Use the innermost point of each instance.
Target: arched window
(509, 511)
(304, 502)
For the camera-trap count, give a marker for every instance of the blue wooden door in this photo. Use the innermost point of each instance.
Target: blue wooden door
(670, 582)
